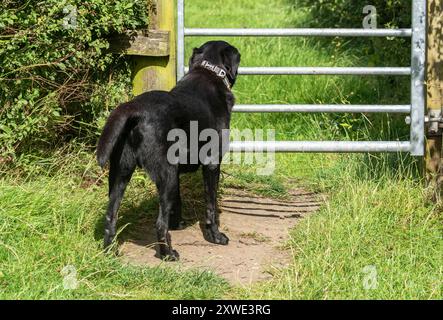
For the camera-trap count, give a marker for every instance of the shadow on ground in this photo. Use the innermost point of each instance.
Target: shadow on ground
(136, 221)
(258, 227)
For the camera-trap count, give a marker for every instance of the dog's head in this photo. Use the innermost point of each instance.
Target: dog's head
(219, 53)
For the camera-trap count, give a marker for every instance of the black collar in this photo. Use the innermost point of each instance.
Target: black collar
(219, 72)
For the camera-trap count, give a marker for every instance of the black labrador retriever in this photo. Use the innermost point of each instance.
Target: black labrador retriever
(136, 134)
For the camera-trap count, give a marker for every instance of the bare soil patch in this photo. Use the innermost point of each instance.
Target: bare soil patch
(256, 226)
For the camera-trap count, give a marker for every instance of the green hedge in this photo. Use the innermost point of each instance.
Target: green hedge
(56, 77)
(349, 14)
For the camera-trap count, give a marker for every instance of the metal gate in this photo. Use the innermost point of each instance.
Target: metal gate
(416, 109)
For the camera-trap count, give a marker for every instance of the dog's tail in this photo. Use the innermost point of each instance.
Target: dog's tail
(112, 131)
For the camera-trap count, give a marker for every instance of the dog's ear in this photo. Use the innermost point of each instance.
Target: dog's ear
(197, 57)
(231, 61)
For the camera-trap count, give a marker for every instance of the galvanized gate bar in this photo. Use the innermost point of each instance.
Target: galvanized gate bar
(374, 71)
(180, 39)
(301, 32)
(418, 60)
(416, 144)
(320, 146)
(249, 108)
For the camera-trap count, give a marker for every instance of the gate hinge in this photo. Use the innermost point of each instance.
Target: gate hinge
(434, 121)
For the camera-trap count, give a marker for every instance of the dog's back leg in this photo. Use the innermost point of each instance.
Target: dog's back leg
(167, 181)
(175, 220)
(121, 168)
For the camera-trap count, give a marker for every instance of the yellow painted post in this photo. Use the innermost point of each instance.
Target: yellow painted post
(434, 164)
(158, 73)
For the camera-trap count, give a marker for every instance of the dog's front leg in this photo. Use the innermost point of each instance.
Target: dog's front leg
(211, 175)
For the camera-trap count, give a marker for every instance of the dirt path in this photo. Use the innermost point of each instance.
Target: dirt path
(257, 228)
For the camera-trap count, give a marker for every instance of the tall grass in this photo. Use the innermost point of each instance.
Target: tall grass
(53, 224)
(376, 213)
(284, 51)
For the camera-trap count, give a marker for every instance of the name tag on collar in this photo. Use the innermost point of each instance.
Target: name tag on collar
(217, 70)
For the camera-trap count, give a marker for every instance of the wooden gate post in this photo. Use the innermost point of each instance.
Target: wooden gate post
(158, 72)
(434, 163)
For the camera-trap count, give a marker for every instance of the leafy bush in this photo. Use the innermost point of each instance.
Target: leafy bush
(55, 71)
(349, 14)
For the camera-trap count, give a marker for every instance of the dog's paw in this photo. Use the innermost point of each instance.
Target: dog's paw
(216, 237)
(107, 241)
(222, 239)
(171, 257)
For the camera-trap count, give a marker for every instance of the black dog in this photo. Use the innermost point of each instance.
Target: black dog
(136, 135)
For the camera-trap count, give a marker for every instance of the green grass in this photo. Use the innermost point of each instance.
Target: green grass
(376, 212)
(382, 223)
(51, 223)
(286, 51)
